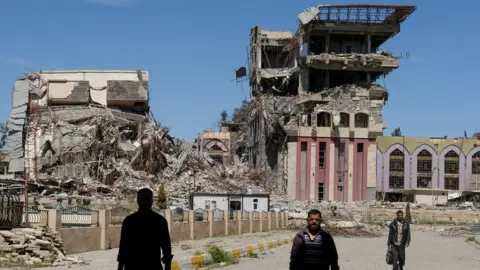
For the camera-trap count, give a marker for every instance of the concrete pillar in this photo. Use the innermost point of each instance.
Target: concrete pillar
(304, 75)
(250, 221)
(327, 43)
(168, 217)
(191, 221)
(104, 223)
(277, 221)
(369, 43)
(210, 223)
(226, 218)
(269, 219)
(239, 221)
(260, 217)
(55, 220)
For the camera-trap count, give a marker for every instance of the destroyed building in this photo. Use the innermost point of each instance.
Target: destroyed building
(315, 108)
(92, 133)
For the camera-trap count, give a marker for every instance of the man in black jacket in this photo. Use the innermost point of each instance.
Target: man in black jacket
(144, 234)
(313, 248)
(398, 240)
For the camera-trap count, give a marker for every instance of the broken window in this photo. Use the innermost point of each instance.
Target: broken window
(451, 170)
(344, 120)
(424, 169)
(218, 159)
(317, 44)
(361, 120)
(321, 154)
(255, 204)
(324, 119)
(309, 120)
(397, 169)
(340, 160)
(476, 163)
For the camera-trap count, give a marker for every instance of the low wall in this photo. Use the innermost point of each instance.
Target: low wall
(113, 236)
(418, 215)
(180, 231)
(77, 240)
(107, 234)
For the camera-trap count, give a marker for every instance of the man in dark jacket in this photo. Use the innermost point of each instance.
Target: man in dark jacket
(313, 248)
(398, 240)
(143, 234)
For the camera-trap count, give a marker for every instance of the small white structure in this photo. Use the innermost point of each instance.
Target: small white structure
(247, 202)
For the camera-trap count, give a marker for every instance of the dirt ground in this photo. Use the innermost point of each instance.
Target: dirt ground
(427, 251)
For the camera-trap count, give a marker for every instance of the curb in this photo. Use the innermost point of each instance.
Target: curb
(194, 262)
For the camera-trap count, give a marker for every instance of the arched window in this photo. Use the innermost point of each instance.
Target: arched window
(324, 119)
(476, 163)
(361, 120)
(344, 120)
(451, 170)
(424, 169)
(397, 170)
(215, 148)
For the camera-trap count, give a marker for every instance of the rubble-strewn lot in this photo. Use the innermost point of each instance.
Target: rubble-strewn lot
(32, 248)
(428, 251)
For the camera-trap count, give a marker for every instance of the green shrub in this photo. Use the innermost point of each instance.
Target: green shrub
(161, 197)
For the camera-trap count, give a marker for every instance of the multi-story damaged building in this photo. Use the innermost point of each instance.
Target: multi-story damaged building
(78, 124)
(316, 109)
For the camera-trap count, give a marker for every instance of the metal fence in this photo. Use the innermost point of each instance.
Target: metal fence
(179, 215)
(264, 215)
(118, 214)
(13, 213)
(218, 214)
(233, 215)
(159, 211)
(78, 216)
(244, 215)
(200, 215)
(256, 215)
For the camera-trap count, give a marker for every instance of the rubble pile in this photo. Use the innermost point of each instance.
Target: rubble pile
(93, 150)
(33, 247)
(380, 56)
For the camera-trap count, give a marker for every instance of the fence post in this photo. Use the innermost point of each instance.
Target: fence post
(276, 220)
(54, 220)
(260, 217)
(250, 221)
(239, 220)
(210, 222)
(191, 219)
(104, 223)
(269, 219)
(226, 218)
(168, 217)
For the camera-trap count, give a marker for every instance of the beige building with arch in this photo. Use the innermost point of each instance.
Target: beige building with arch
(420, 167)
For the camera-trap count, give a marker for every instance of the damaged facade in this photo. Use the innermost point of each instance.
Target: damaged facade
(316, 110)
(92, 133)
(216, 144)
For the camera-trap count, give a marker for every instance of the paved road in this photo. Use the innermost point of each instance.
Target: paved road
(106, 260)
(428, 251)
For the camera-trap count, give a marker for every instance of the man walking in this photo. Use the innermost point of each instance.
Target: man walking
(398, 240)
(313, 248)
(143, 234)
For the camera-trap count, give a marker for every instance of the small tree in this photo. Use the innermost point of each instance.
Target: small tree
(224, 116)
(408, 216)
(397, 132)
(161, 197)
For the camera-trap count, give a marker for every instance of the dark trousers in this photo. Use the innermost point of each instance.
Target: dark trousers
(398, 253)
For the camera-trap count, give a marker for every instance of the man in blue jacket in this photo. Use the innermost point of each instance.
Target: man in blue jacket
(398, 240)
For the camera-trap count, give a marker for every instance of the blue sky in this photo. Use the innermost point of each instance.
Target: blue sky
(191, 49)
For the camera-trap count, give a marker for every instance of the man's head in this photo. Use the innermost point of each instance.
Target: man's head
(400, 215)
(144, 198)
(314, 218)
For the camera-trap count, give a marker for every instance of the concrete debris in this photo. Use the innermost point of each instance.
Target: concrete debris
(379, 59)
(33, 247)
